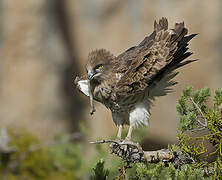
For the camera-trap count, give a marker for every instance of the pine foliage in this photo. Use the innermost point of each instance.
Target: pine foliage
(23, 156)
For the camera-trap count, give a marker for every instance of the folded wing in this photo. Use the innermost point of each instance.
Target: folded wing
(150, 65)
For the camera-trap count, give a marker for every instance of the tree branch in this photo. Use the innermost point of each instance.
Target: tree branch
(133, 153)
(198, 108)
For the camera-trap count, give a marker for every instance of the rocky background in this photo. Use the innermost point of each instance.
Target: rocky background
(44, 45)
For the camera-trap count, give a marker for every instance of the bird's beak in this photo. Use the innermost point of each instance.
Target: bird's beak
(91, 75)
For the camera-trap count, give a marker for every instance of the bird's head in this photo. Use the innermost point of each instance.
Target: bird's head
(99, 64)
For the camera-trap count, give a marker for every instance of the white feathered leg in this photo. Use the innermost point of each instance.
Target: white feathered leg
(129, 134)
(119, 134)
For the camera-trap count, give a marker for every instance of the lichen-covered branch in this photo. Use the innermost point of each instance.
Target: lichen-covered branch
(133, 153)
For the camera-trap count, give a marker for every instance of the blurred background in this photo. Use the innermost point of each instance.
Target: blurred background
(44, 45)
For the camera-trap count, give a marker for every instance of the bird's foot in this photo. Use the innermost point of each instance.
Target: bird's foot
(128, 141)
(128, 138)
(119, 139)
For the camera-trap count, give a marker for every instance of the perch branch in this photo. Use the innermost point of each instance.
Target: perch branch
(132, 153)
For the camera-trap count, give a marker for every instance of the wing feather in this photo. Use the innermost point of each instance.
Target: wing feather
(153, 60)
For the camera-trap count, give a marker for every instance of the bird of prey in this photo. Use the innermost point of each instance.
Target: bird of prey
(128, 83)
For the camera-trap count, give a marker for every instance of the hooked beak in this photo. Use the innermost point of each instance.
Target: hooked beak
(91, 75)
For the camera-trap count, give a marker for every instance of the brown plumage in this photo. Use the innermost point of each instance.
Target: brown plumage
(127, 84)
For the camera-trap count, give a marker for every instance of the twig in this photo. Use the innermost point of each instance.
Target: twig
(105, 141)
(198, 108)
(198, 129)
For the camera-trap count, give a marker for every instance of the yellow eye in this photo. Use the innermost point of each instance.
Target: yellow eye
(99, 67)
